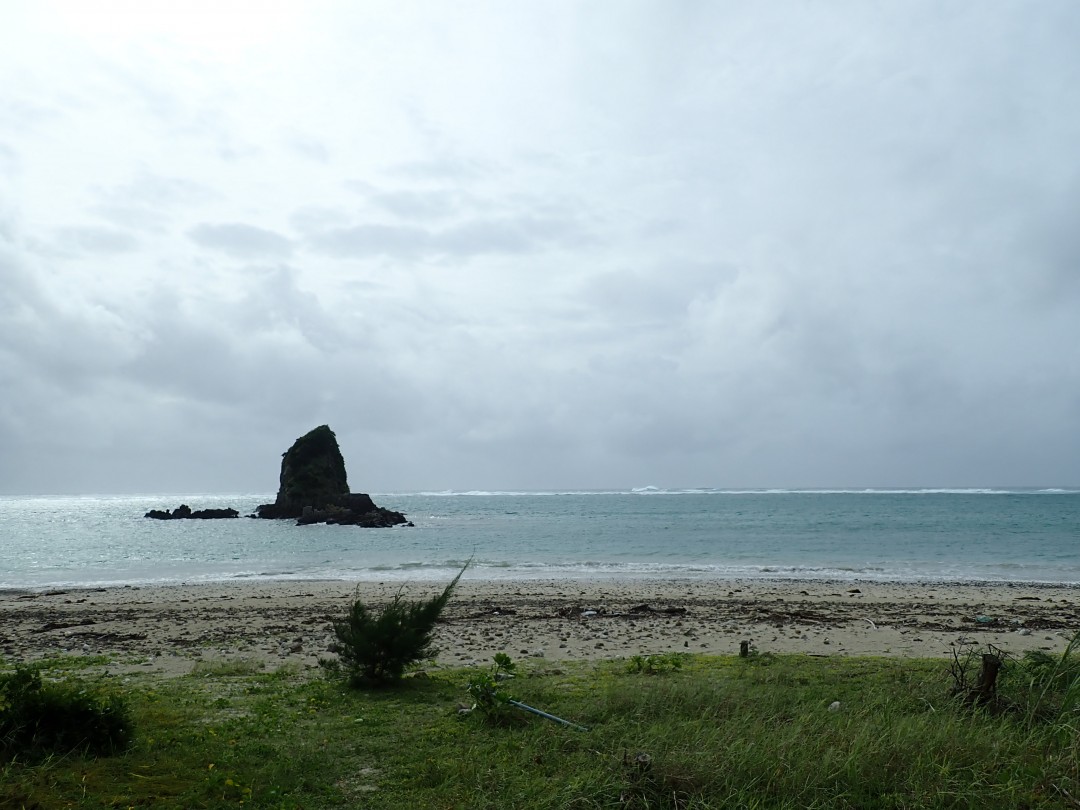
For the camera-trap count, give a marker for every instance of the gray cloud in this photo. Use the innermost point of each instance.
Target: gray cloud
(506, 236)
(158, 191)
(701, 245)
(656, 297)
(75, 241)
(311, 148)
(424, 205)
(241, 240)
(8, 159)
(149, 201)
(366, 241)
(450, 169)
(27, 114)
(314, 218)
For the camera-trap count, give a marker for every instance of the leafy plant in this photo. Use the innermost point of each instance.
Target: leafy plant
(655, 664)
(376, 649)
(490, 699)
(40, 716)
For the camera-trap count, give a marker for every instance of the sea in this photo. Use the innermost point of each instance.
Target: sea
(913, 535)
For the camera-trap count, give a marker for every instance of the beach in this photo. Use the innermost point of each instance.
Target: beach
(171, 629)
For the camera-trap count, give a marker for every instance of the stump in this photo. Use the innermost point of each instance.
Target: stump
(987, 683)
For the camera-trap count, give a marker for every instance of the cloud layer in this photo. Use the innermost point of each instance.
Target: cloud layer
(540, 246)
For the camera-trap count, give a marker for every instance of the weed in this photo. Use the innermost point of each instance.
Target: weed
(1054, 683)
(39, 716)
(656, 664)
(227, 668)
(718, 733)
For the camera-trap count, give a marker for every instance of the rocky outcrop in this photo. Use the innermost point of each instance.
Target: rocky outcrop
(314, 488)
(184, 512)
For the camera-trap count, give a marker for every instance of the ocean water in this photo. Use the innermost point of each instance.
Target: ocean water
(910, 535)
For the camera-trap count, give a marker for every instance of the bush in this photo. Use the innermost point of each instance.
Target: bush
(38, 716)
(377, 649)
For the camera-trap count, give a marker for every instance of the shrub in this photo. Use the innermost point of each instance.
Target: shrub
(38, 716)
(377, 649)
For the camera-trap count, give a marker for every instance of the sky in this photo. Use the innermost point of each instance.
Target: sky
(540, 244)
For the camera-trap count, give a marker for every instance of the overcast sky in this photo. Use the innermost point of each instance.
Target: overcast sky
(539, 245)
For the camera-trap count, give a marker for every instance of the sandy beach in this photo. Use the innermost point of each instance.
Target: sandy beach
(169, 629)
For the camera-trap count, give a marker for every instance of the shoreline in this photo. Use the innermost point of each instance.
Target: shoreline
(398, 578)
(171, 628)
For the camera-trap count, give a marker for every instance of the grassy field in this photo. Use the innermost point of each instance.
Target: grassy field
(710, 732)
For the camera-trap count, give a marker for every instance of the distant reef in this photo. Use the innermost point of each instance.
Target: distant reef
(184, 512)
(314, 488)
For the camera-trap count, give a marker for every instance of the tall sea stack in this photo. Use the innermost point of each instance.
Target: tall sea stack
(314, 488)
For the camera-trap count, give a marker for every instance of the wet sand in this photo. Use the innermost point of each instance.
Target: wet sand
(170, 629)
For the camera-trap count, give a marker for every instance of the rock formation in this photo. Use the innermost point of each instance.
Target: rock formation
(184, 512)
(314, 488)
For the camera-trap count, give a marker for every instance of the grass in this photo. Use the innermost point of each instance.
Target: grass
(715, 732)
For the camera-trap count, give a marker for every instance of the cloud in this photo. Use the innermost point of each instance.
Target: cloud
(149, 201)
(449, 169)
(76, 241)
(365, 241)
(90, 387)
(241, 240)
(654, 300)
(27, 114)
(313, 218)
(698, 245)
(409, 204)
(471, 238)
(9, 160)
(311, 148)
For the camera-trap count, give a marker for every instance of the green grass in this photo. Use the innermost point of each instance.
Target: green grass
(718, 732)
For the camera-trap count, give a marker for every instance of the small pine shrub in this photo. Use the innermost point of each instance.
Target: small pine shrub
(376, 649)
(39, 716)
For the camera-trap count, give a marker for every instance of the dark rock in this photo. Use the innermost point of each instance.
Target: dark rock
(183, 511)
(312, 474)
(314, 488)
(214, 514)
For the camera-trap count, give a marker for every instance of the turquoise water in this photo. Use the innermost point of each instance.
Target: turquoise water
(913, 535)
